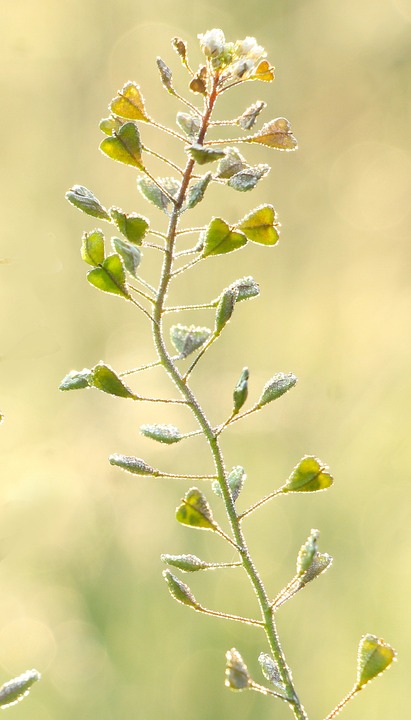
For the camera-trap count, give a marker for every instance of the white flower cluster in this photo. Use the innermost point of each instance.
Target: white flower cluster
(238, 60)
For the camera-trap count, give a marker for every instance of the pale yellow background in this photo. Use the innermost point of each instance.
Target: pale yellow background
(82, 598)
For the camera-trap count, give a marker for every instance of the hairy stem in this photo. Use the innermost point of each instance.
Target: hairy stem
(208, 431)
(342, 704)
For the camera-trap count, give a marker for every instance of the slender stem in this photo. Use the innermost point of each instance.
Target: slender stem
(225, 424)
(204, 349)
(189, 251)
(192, 434)
(153, 246)
(156, 363)
(158, 234)
(228, 616)
(188, 265)
(234, 418)
(228, 87)
(140, 307)
(180, 308)
(187, 102)
(142, 293)
(188, 231)
(220, 123)
(287, 592)
(160, 187)
(146, 284)
(169, 131)
(218, 566)
(266, 691)
(165, 160)
(183, 476)
(209, 433)
(229, 141)
(260, 503)
(171, 401)
(342, 704)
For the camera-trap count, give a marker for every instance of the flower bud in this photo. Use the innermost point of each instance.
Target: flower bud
(212, 42)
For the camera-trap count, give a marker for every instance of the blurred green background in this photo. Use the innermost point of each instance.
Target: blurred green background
(82, 598)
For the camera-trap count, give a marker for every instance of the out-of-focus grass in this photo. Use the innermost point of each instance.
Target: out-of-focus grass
(82, 595)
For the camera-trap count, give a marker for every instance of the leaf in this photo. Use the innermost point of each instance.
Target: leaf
(110, 276)
(195, 511)
(203, 155)
(110, 124)
(130, 254)
(248, 119)
(104, 378)
(231, 164)
(92, 247)
(260, 225)
(133, 465)
(124, 146)
(134, 227)
(219, 238)
(248, 178)
(237, 676)
(235, 480)
(186, 563)
(166, 74)
(264, 72)
(190, 124)
(179, 590)
(241, 391)
(188, 339)
(271, 672)
(310, 475)
(129, 103)
(279, 384)
(225, 309)
(167, 434)
(246, 288)
(84, 200)
(275, 134)
(196, 192)
(76, 380)
(154, 194)
(374, 656)
(15, 690)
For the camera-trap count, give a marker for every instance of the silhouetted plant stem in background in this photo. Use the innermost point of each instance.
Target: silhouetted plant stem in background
(225, 66)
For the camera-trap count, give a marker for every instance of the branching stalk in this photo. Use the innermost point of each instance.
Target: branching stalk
(225, 66)
(254, 578)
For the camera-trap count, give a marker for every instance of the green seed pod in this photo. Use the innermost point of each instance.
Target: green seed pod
(225, 309)
(179, 590)
(14, 690)
(241, 391)
(307, 552)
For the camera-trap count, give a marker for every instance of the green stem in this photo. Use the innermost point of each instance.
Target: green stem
(188, 265)
(140, 307)
(260, 503)
(180, 308)
(228, 616)
(209, 433)
(342, 704)
(169, 131)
